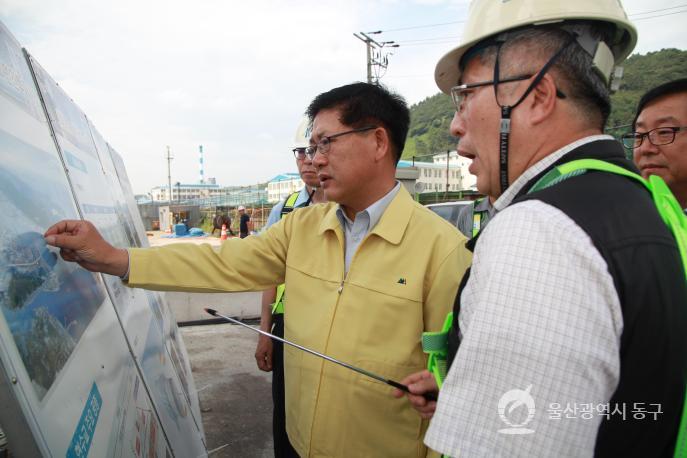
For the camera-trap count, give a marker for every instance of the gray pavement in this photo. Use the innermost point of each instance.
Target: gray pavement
(235, 396)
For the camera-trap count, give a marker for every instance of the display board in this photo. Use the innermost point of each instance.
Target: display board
(157, 301)
(97, 368)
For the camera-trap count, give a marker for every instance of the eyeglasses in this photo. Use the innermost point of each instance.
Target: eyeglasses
(460, 92)
(299, 153)
(325, 142)
(657, 137)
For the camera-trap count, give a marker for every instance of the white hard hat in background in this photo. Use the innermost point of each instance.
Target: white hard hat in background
(303, 132)
(241, 207)
(487, 18)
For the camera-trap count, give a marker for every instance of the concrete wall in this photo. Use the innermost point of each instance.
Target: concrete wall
(189, 306)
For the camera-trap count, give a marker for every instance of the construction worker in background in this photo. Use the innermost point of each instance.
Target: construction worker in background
(576, 295)
(245, 223)
(474, 217)
(268, 354)
(366, 277)
(659, 136)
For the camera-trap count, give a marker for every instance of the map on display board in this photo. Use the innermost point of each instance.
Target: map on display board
(40, 296)
(98, 368)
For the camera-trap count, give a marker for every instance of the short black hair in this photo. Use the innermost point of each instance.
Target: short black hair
(362, 104)
(669, 88)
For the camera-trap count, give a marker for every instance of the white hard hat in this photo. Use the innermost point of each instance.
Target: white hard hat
(487, 18)
(241, 207)
(303, 132)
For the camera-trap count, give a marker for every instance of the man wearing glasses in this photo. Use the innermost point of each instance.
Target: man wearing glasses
(366, 276)
(270, 355)
(659, 137)
(576, 295)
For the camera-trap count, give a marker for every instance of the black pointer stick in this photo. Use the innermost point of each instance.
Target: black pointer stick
(400, 386)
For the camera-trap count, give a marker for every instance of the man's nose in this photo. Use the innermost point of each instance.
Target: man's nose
(645, 148)
(319, 159)
(457, 127)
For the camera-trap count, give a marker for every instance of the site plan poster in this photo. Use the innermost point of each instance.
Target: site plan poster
(155, 302)
(76, 139)
(78, 384)
(165, 325)
(56, 333)
(134, 215)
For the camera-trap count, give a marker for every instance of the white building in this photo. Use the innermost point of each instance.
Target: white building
(181, 192)
(468, 180)
(447, 172)
(433, 177)
(279, 187)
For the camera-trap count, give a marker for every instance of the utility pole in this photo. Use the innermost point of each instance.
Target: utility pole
(448, 160)
(375, 58)
(169, 175)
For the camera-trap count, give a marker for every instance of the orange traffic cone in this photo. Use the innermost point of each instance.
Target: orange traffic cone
(223, 234)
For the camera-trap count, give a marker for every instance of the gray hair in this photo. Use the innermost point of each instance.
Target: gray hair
(527, 50)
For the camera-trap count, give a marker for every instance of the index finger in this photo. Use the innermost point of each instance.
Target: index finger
(416, 377)
(66, 225)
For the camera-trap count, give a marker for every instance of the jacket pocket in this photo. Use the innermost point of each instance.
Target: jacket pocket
(389, 422)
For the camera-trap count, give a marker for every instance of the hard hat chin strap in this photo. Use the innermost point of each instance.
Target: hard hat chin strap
(504, 131)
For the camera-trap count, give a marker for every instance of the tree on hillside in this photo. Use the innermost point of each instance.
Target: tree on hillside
(641, 73)
(430, 119)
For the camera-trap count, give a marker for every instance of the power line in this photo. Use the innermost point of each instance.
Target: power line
(441, 24)
(422, 40)
(424, 26)
(410, 76)
(656, 11)
(659, 15)
(451, 38)
(431, 44)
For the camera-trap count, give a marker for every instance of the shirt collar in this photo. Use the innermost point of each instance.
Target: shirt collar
(513, 190)
(374, 211)
(484, 205)
(392, 224)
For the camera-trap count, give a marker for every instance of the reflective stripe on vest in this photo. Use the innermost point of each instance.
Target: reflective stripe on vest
(278, 306)
(289, 205)
(667, 205)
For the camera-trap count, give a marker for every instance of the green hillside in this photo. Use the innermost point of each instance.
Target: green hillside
(642, 72)
(430, 119)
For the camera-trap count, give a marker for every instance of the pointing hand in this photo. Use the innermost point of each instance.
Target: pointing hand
(80, 242)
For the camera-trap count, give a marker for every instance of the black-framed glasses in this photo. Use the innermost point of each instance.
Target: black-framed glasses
(657, 137)
(458, 93)
(325, 142)
(299, 152)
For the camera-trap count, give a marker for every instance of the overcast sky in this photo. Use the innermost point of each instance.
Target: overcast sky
(237, 76)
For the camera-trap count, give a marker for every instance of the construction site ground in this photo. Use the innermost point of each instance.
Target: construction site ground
(235, 396)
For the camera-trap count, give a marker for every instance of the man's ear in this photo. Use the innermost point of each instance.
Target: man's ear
(382, 144)
(542, 100)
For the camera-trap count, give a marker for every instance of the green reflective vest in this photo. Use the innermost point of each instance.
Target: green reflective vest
(289, 205)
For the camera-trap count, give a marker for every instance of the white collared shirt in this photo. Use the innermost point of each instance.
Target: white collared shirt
(539, 314)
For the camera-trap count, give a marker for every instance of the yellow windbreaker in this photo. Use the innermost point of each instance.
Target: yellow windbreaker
(402, 281)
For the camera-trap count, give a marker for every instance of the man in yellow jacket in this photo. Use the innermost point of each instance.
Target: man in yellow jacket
(366, 277)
